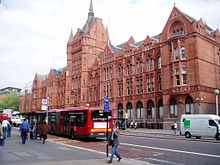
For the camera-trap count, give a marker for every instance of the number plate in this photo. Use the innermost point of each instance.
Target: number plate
(101, 133)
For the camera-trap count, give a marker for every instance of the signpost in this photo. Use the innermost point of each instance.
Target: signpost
(44, 106)
(106, 109)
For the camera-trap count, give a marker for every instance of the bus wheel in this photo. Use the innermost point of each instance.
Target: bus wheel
(217, 136)
(72, 135)
(187, 135)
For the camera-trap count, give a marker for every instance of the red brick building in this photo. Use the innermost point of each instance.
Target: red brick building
(151, 82)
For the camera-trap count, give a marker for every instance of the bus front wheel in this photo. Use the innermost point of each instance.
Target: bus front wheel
(72, 135)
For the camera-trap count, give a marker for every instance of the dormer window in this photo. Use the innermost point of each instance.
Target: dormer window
(177, 29)
(148, 47)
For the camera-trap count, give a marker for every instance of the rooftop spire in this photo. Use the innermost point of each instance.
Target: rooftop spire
(71, 36)
(91, 9)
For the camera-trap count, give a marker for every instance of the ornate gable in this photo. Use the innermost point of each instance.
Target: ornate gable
(178, 23)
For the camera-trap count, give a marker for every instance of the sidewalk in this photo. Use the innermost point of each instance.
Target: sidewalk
(84, 162)
(36, 153)
(153, 131)
(168, 134)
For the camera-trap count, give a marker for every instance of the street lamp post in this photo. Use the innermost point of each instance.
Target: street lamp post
(216, 92)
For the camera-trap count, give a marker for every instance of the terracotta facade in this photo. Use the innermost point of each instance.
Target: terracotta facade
(151, 82)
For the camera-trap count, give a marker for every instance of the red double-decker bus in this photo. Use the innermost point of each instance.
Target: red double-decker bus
(80, 122)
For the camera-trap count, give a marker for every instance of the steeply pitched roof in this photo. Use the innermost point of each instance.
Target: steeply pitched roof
(41, 77)
(189, 17)
(89, 21)
(156, 38)
(115, 49)
(138, 44)
(71, 39)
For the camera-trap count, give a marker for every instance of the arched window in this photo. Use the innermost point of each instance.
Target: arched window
(120, 111)
(139, 110)
(183, 53)
(189, 105)
(160, 109)
(173, 108)
(150, 110)
(159, 62)
(129, 111)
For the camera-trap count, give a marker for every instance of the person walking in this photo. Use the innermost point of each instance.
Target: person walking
(24, 129)
(33, 131)
(44, 131)
(5, 125)
(114, 138)
(135, 125)
(132, 124)
(1, 136)
(9, 128)
(174, 127)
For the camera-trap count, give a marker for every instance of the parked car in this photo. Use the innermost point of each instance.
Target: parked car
(16, 120)
(200, 125)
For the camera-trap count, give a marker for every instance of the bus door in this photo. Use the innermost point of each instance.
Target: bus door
(52, 121)
(58, 122)
(66, 123)
(78, 121)
(62, 120)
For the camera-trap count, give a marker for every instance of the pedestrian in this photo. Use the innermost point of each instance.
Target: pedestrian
(5, 125)
(132, 125)
(135, 125)
(37, 131)
(9, 128)
(44, 130)
(114, 139)
(174, 127)
(24, 129)
(1, 136)
(33, 131)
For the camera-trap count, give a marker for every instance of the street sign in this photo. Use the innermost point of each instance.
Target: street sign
(44, 101)
(106, 104)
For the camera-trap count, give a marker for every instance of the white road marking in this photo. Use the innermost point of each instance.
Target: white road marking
(164, 161)
(172, 150)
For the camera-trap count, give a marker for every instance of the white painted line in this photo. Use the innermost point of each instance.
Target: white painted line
(172, 150)
(164, 161)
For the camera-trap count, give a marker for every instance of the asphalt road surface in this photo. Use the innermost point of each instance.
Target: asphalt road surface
(174, 151)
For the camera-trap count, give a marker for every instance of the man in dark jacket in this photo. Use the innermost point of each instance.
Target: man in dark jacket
(24, 128)
(114, 137)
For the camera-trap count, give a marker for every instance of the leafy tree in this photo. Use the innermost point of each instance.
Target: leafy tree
(10, 101)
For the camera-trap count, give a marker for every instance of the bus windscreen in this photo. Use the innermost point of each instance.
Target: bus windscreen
(100, 115)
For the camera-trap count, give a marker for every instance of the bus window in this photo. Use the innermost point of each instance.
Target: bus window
(100, 115)
(52, 118)
(78, 118)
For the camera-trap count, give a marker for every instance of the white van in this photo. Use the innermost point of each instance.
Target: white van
(200, 125)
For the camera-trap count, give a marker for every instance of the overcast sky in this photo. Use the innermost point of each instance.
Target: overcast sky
(34, 33)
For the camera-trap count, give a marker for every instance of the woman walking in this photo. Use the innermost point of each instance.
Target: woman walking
(44, 131)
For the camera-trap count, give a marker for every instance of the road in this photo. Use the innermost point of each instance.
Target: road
(169, 150)
(174, 151)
